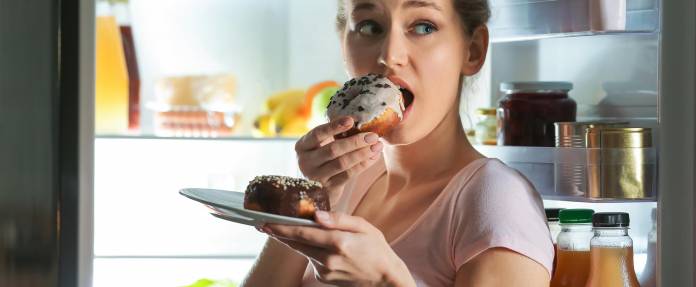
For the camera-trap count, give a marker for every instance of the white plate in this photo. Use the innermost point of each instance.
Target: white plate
(229, 205)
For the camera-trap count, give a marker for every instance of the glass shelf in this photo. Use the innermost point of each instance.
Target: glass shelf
(538, 165)
(231, 138)
(530, 37)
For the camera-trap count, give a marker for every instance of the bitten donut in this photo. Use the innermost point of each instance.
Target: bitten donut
(286, 196)
(374, 102)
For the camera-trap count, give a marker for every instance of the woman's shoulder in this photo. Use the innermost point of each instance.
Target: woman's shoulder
(495, 192)
(492, 179)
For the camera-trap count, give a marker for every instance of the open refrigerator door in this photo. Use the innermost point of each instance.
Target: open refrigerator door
(227, 88)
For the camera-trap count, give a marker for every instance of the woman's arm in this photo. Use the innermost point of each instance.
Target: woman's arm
(500, 267)
(277, 265)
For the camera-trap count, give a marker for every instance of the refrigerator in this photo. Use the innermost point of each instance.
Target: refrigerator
(86, 208)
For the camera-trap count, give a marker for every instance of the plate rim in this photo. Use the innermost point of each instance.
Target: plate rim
(305, 222)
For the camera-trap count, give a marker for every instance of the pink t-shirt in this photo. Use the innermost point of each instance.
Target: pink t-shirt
(485, 205)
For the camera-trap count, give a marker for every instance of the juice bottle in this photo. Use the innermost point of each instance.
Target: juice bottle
(111, 81)
(573, 248)
(612, 252)
(554, 228)
(122, 12)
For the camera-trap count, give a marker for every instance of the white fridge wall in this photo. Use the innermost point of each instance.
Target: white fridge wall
(139, 212)
(614, 76)
(313, 43)
(247, 38)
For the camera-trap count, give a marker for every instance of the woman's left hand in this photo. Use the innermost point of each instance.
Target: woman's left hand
(345, 251)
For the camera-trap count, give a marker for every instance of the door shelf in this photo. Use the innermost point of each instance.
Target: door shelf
(519, 20)
(547, 169)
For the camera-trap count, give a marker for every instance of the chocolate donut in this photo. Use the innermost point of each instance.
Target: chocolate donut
(373, 101)
(286, 196)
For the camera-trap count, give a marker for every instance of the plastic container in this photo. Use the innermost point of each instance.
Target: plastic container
(611, 252)
(573, 252)
(195, 106)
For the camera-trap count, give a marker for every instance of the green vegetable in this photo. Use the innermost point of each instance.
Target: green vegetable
(212, 283)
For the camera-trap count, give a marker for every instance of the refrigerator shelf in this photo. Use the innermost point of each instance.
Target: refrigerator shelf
(543, 166)
(529, 37)
(240, 138)
(519, 20)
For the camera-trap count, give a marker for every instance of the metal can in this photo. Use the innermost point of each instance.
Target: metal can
(627, 167)
(577, 173)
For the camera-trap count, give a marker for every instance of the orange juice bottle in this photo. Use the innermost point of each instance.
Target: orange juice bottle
(554, 224)
(612, 252)
(573, 248)
(111, 81)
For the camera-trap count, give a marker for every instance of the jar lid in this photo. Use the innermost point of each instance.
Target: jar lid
(576, 215)
(610, 219)
(535, 86)
(486, 111)
(552, 214)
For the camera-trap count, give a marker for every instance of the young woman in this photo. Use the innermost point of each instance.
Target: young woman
(420, 207)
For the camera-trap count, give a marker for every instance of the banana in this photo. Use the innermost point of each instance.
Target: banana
(295, 97)
(264, 126)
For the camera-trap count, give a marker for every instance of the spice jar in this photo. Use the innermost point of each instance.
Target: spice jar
(486, 126)
(528, 110)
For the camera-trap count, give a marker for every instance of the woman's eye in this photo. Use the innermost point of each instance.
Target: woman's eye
(369, 28)
(424, 28)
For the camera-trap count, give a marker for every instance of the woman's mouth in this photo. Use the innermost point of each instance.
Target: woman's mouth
(408, 100)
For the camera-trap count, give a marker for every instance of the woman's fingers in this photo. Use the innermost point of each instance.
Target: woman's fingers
(346, 145)
(320, 134)
(344, 222)
(347, 161)
(313, 236)
(343, 177)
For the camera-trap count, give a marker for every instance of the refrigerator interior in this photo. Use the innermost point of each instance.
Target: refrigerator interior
(146, 233)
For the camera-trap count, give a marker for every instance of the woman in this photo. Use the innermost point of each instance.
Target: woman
(421, 207)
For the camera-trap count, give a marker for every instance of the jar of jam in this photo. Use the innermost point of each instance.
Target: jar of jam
(528, 110)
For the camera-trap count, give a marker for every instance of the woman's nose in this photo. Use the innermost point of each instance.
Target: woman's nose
(394, 52)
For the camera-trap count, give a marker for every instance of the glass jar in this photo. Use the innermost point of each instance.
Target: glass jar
(528, 110)
(612, 252)
(573, 248)
(486, 126)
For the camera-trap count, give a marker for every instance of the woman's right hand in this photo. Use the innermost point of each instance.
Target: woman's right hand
(334, 162)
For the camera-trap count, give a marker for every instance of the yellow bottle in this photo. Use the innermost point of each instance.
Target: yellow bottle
(111, 104)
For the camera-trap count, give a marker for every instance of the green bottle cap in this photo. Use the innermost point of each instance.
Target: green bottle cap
(577, 215)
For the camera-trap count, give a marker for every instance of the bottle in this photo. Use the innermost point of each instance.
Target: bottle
(122, 12)
(554, 228)
(611, 252)
(111, 79)
(648, 277)
(573, 248)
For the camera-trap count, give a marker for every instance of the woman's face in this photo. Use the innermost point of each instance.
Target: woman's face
(421, 45)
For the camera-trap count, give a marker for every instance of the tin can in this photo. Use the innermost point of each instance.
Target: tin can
(626, 166)
(578, 173)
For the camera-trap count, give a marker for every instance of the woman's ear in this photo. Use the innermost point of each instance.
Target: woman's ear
(478, 49)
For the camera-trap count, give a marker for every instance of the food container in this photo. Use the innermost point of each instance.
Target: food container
(617, 163)
(195, 106)
(627, 168)
(573, 177)
(193, 121)
(486, 126)
(528, 111)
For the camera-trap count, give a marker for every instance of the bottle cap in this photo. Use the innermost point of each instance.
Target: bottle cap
(576, 215)
(552, 214)
(610, 219)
